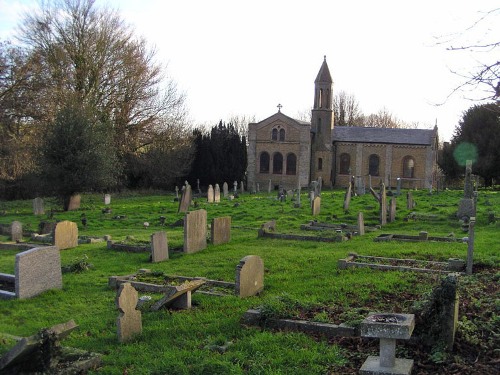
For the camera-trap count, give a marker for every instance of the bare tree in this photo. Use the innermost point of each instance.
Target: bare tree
(346, 110)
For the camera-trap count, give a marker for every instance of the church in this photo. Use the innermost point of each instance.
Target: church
(292, 153)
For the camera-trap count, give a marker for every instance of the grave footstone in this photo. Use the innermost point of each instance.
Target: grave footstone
(217, 194)
(220, 230)
(129, 322)
(195, 231)
(185, 201)
(66, 235)
(16, 231)
(159, 247)
(210, 194)
(316, 206)
(249, 276)
(38, 206)
(107, 199)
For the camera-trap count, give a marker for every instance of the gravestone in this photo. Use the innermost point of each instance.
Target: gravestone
(361, 224)
(210, 194)
(410, 204)
(466, 207)
(347, 197)
(225, 189)
(258, 187)
(360, 185)
(235, 187)
(316, 206)
(178, 296)
(38, 206)
(16, 231)
(392, 210)
(470, 246)
(270, 187)
(198, 186)
(185, 201)
(217, 194)
(107, 199)
(398, 189)
(176, 192)
(242, 187)
(195, 231)
(37, 270)
(74, 202)
(159, 247)
(383, 205)
(220, 230)
(66, 235)
(249, 276)
(129, 322)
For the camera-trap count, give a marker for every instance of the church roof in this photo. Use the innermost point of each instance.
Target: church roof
(324, 73)
(383, 135)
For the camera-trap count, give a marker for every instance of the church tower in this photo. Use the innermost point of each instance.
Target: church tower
(322, 119)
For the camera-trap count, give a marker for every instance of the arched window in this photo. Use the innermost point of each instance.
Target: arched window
(320, 98)
(345, 164)
(373, 165)
(320, 164)
(277, 163)
(264, 162)
(275, 135)
(291, 164)
(282, 135)
(408, 167)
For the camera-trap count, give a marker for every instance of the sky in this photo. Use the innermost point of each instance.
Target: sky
(243, 58)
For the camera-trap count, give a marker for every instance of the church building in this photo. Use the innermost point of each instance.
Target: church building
(293, 153)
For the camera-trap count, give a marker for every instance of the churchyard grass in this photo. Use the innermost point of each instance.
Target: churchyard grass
(209, 338)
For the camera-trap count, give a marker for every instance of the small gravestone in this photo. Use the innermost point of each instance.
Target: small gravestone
(38, 206)
(129, 322)
(159, 247)
(66, 235)
(74, 202)
(398, 189)
(37, 270)
(107, 199)
(225, 190)
(195, 231)
(361, 224)
(269, 187)
(392, 210)
(16, 231)
(217, 194)
(210, 194)
(383, 205)
(220, 230)
(316, 206)
(249, 276)
(235, 187)
(410, 204)
(347, 197)
(185, 201)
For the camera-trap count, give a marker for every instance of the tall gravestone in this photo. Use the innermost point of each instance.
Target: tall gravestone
(16, 231)
(210, 194)
(466, 207)
(470, 246)
(225, 189)
(249, 276)
(360, 185)
(129, 322)
(195, 231)
(38, 206)
(220, 230)
(159, 247)
(383, 205)
(242, 187)
(410, 203)
(66, 235)
(217, 194)
(398, 189)
(186, 198)
(316, 206)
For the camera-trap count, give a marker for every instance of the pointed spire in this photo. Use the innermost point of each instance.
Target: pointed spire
(324, 73)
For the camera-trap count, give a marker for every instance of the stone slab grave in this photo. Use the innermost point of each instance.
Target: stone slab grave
(36, 270)
(267, 231)
(38, 206)
(65, 235)
(249, 281)
(220, 230)
(129, 322)
(159, 247)
(421, 237)
(195, 231)
(42, 353)
(397, 264)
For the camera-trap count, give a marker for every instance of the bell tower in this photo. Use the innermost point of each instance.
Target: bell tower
(322, 119)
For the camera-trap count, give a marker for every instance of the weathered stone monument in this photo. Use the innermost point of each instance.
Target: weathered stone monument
(249, 276)
(16, 231)
(220, 230)
(74, 202)
(129, 322)
(392, 210)
(107, 199)
(217, 194)
(66, 235)
(242, 187)
(466, 207)
(316, 206)
(186, 198)
(225, 189)
(38, 206)
(159, 247)
(383, 205)
(210, 194)
(195, 231)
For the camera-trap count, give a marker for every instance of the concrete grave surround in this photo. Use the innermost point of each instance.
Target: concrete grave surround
(129, 322)
(220, 230)
(159, 247)
(186, 198)
(249, 276)
(195, 231)
(16, 231)
(38, 206)
(316, 206)
(74, 202)
(37, 270)
(210, 194)
(107, 199)
(66, 235)
(217, 193)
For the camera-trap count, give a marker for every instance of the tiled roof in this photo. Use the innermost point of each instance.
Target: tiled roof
(383, 135)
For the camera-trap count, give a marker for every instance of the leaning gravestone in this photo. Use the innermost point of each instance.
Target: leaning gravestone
(107, 199)
(37, 270)
(66, 235)
(185, 201)
(316, 206)
(210, 194)
(129, 322)
(159, 247)
(74, 202)
(195, 231)
(38, 206)
(220, 230)
(16, 231)
(347, 197)
(217, 194)
(249, 276)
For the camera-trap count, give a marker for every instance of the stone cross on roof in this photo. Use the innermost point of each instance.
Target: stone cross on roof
(279, 107)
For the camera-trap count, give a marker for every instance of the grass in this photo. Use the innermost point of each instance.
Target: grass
(296, 273)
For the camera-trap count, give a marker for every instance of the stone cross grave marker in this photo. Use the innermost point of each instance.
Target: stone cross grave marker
(66, 235)
(210, 194)
(107, 199)
(195, 231)
(249, 276)
(159, 247)
(466, 207)
(16, 231)
(129, 322)
(217, 194)
(74, 202)
(38, 206)
(316, 206)
(220, 230)
(185, 201)
(392, 210)
(383, 205)
(225, 190)
(235, 187)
